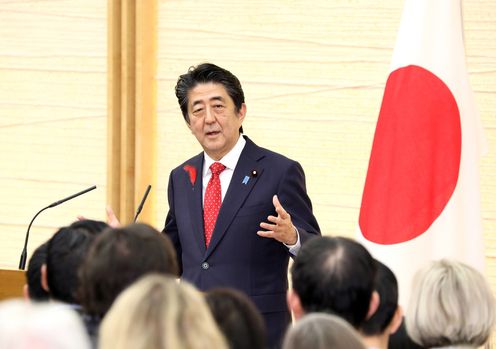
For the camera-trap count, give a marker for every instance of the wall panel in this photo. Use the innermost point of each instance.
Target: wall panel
(52, 117)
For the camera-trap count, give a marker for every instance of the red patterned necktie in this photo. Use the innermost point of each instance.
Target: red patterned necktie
(213, 200)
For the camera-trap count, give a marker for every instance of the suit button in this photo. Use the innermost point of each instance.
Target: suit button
(205, 266)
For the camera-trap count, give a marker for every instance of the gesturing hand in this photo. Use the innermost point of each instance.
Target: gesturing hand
(282, 228)
(112, 219)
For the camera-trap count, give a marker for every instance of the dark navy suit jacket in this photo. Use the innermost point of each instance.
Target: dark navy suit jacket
(236, 256)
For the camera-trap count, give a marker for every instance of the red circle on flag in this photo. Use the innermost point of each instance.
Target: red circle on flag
(415, 158)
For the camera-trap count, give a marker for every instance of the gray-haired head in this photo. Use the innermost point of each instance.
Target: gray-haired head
(322, 331)
(451, 304)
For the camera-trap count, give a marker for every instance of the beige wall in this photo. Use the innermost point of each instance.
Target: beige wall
(313, 75)
(52, 117)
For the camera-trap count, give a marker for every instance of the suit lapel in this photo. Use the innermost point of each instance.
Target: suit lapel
(194, 195)
(242, 183)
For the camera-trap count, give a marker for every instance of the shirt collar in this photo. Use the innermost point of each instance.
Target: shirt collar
(229, 160)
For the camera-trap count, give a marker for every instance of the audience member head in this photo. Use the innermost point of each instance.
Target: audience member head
(238, 318)
(66, 251)
(451, 304)
(33, 289)
(334, 275)
(117, 258)
(26, 325)
(158, 312)
(208, 73)
(322, 331)
(388, 316)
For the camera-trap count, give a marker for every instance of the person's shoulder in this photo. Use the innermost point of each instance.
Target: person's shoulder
(269, 155)
(278, 160)
(194, 162)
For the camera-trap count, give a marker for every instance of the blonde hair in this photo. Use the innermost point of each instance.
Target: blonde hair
(451, 304)
(322, 331)
(158, 312)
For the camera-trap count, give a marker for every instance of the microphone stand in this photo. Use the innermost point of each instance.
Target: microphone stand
(24, 254)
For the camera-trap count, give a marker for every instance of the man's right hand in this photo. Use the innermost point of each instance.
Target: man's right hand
(112, 219)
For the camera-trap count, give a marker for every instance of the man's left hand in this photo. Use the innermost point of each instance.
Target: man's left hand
(282, 228)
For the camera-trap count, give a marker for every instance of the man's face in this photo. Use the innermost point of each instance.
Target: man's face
(213, 118)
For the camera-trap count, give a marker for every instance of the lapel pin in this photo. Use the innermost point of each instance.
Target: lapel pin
(254, 173)
(245, 180)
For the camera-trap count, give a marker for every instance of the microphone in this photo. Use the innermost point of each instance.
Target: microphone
(140, 207)
(56, 203)
(22, 262)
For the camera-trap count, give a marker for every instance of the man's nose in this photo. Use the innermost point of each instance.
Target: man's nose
(209, 117)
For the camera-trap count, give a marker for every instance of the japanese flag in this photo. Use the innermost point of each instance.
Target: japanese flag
(421, 196)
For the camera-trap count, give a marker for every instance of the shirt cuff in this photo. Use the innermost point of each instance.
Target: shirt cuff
(293, 249)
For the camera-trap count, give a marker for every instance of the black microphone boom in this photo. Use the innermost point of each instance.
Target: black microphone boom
(56, 203)
(22, 262)
(140, 207)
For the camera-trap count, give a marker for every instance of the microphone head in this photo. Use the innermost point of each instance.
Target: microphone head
(140, 207)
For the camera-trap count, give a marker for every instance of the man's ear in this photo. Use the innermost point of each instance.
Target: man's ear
(396, 320)
(44, 278)
(294, 304)
(242, 112)
(25, 292)
(375, 300)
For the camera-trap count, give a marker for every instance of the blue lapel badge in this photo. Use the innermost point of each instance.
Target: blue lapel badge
(245, 180)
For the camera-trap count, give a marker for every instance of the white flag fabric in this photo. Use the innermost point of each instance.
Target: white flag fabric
(421, 199)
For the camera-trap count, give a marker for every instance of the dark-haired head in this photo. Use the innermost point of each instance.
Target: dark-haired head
(208, 73)
(387, 287)
(33, 274)
(238, 318)
(66, 251)
(117, 258)
(335, 275)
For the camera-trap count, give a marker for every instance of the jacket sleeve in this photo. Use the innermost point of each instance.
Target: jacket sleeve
(170, 229)
(293, 196)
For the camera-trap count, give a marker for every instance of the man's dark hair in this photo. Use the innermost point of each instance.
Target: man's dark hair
(66, 251)
(335, 275)
(33, 274)
(205, 73)
(387, 287)
(238, 318)
(117, 258)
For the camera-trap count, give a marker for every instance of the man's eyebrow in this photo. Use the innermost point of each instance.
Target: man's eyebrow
(215, 98)
(197, 102)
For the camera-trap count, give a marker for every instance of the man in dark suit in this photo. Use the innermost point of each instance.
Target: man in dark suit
(237, 211)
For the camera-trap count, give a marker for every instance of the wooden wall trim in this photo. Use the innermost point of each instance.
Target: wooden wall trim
(132, 48)
(146, 105)
(114, 104)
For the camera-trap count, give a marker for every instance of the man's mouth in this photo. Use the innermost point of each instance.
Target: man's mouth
(212, 133)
